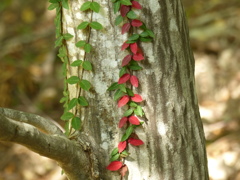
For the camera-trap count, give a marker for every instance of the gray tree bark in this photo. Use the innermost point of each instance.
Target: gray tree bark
(174, 146)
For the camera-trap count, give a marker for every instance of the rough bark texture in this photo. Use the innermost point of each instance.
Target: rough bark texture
(173, 133)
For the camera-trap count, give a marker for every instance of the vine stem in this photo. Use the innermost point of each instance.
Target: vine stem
(84, 56)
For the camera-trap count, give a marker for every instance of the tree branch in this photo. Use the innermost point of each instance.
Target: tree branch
(67, 153)
(33, 119)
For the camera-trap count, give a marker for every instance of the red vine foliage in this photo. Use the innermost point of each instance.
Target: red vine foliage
(124, 87)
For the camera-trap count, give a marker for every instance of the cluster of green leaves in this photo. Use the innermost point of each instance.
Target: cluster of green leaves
(72, 121)
(146, 35)
(58, 3)
(115, 155)
(94, 6)
(120, 91)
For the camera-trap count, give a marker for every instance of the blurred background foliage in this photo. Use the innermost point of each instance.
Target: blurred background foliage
(31, 80)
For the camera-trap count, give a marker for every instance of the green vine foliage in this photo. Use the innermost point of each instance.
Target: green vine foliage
(128, 82)
(73, 122)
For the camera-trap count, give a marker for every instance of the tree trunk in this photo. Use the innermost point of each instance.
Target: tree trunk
(174, 144)
(173, 133)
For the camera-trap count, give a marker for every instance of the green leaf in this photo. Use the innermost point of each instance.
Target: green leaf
(115, 157)
(114, 0)
(66, 116)
(63, 50)
(65, 4)
(95, 25)
(54, 1)
(63, 99)
(80, 43)
(76, 123)
(134, 66)
(61, 55)
(87, 65)
(139, 111)
(118, 94)
(73, 80)
(129, 92)
(67, 36)
(58, 42)
(142, 39)
(128, 112)
(133, 37)
(113, 86)
(144, 34)
(130, 42)
(65, 93)
(122, 71)
(82, 101)
(128, 133)
(85, 6)
(87, 48)
(126, 2)
(118, 20)
(143, 27)
(76, 63)
(114, 151)
(124, 154)
(122, 87)
(150, 33)
(72, 103)
(53, 6)
(131, 15)
(116, 6)
(133, 104)
(95, 7)
(85, 84)
(83, 25)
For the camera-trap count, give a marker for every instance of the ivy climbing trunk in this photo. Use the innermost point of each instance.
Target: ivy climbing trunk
(173, 134)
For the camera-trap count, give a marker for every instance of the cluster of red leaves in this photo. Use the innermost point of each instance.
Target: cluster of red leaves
(135, 54)
(132, 119)
(125, 99)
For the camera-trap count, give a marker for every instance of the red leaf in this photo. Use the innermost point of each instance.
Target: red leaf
(124, 100)
(134, 80)
(122, 146)
(138, 57)
(136, 23)
(115, 165)
(124, 78)
(136, 5)
(137, 98)
(134, 47)
(126, 60)
(126, 27)
(122, 122)
(124, 46)
(135, 142)
(134, 120)
(123, 170)
(124, 10)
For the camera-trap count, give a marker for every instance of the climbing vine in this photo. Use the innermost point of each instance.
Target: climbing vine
(128, 82)
(73, 122)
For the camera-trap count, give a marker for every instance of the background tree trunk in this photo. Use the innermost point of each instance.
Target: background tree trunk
(174, 140)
